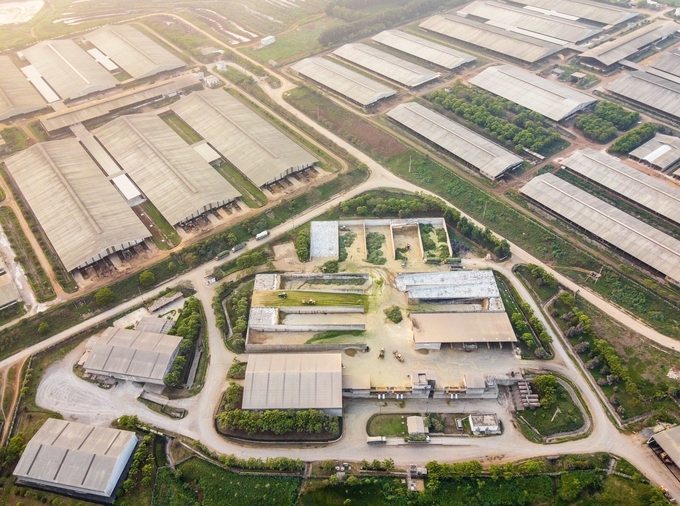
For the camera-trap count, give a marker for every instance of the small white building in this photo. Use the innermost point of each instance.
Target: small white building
(484, 423)
(416, 425)
(268, 40)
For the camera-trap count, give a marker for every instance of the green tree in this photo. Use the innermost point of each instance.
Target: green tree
(43, 328)
(104, 297)
(147, 278)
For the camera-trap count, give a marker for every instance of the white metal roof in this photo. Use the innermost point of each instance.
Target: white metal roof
(449, 284)
(668, 61)
(598, 12)
(424, 49)
(40, 84)
(257, 148)
(293, 381)
(324, 240)
(661, 151)
(68, 69)
(133, 51)
(491, 159)
(639, 240)
(126, 187)
(549, 98)
(621, 48)
(357, 87)
(17, 96)
(82, 214)
(514, 45)
(146, 356)
(102, 59)
(637, 186)
(533, 24)
(394, 68)
(177, 180)
(460, 327)
(77, 457)
(650, 90)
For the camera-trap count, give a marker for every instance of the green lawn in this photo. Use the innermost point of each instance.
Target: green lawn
(569, 419)
(15, 138)
(251, 195)
(295, 298)
(162, 230)
(388, 425)
(187, 133)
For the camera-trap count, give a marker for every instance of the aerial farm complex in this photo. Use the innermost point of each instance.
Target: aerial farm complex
(332, 252)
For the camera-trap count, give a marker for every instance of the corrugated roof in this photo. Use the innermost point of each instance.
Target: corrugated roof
(668, 62)
(133, 51)
(342, 80)
(17, 96)
(491, 159)
(449, 284)
(144, 355)
(424, 49)
(81, 212)
(637, 186)
(179, 182)
(549, 98)
(534, 24)
(661, 151)
(259, 150)
(293, 381)
(69, 70)
(494, 39)
(669, 440)
(476, 327)
(636, 238)
(324, 240)
(77, 457)
(398, 70)
(621, 48)
(652, 91)
(598, 12)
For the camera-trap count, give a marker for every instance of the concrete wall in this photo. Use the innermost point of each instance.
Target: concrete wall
(301, 348)
(307, 328)
(321, 309)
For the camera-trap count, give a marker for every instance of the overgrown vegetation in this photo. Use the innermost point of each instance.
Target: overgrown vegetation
(543, 284)
(188, 326)
(237, 369)
(345, 241)
(302, 244)
(634, 139)
(15, 138)
(557, 414)
(374, 252)
(238, 309)
(393, 314)
(603, 123)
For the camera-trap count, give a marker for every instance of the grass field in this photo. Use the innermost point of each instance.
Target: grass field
(164, 234)
(11, 312)
(318, 494)
(38, 131)
(388, 425)
(543, 291)
(295, 298)
(251, 195)
(15, 138)
(187, 133)
(569, 419)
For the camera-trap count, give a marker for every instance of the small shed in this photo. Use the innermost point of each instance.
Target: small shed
(268, 40)
(416, 425)
(578, 77)
(484, 423)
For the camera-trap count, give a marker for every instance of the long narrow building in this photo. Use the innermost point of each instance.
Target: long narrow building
(425, 49)
(81, 213)
(624, 232)
(17, 96)
(465, 145)
(661, 95)
(597, 13)
(177, 180)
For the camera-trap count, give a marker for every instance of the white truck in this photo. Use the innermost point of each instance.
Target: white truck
(262, 235)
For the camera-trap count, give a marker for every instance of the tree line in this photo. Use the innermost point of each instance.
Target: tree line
(188, 326)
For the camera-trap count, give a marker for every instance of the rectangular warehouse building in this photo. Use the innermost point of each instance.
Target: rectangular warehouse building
(68, 69)
(646, 191)
(554, 101)
(354, 86)
(133, 51)
(490, 38)
(17, 95)
(465, 145)
(82, 214)
(668, 62)
(621, 230)
(294, 381)
(661, 152)
(395, 69)
(132, 355)
(597, 13)
(424, 49)
(458, 287)
(651, 91)
(177, 180)
(76, 459)
(540, 26)
(242, 137)
(431, 330)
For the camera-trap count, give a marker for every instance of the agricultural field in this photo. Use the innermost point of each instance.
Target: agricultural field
(296, 298)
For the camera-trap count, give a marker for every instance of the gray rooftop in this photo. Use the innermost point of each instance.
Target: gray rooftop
(133, 51)
(652, 91)
(82, 214)
(387, 65)
(357, 87)
(324, 240)
(661, 151)
(621, 48)
(257, 148)
(636, 238)
(146, 356)
(514, 45)
(669, 440)
(76, 457)
(177, 180)
(424, 49)
(489, 158)
(668, 61)
(293, 381)
(527, 22)
(612, 173)
(68, 69)
(17, 95)
(449, 285)
(156, 324)
(549, 98)
(462, 327)
(598, 12)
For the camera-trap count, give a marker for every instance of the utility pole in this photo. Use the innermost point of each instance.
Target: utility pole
(410, 158)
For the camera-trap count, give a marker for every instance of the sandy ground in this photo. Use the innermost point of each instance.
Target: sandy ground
(19, 12)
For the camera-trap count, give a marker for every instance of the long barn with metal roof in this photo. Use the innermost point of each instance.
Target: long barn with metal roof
(551, 99)
(610, 172)
(133, 51)
(68, 69)
(387, 65)
(354, 86)
(17, 95)
(509, 44)
(424, 49)
(177, 180)
(668, 62)
(624, 232)
(597, 13)
(82, 214)
(651, 91)
(76, 459)
(257, 148)
(465, 145)
(661, 152)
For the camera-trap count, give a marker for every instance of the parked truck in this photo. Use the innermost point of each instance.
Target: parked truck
(262, 235)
